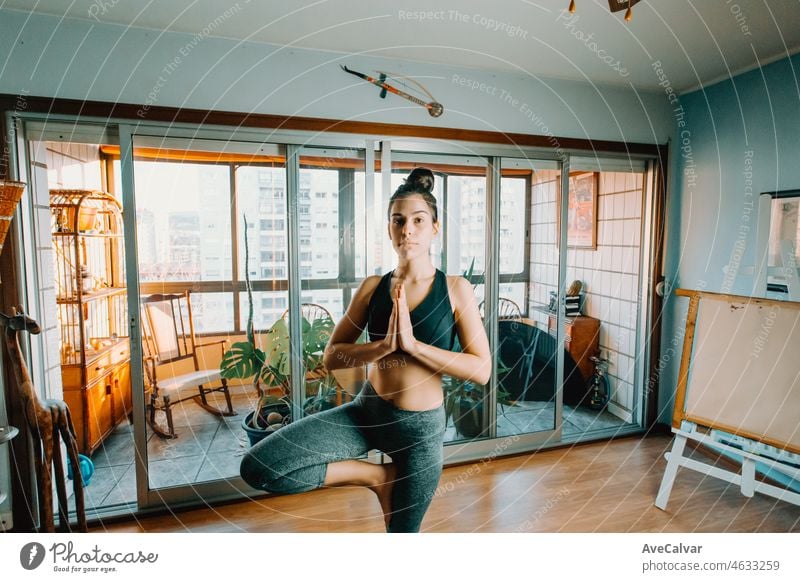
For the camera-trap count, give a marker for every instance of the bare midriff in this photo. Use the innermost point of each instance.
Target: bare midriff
(406, 383)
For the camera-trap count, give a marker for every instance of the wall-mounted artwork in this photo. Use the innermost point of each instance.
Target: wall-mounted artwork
(435, 109)
(582, 210)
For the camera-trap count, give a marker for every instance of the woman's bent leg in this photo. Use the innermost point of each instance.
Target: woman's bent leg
(414, 440)
(295, 458)
(353, 472)
(419, 469)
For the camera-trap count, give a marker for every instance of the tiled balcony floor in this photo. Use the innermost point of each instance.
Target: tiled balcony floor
(210, 447)
(527, 417)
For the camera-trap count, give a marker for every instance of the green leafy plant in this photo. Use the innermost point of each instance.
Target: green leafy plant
(324, 398)
(268, 364)
(464, 395)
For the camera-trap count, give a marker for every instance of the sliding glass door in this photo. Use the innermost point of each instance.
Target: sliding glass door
(331, 212)
(75, 289)
(605, 251)
(528, 369)
(220, 225)
(495, 213)
(208, 281)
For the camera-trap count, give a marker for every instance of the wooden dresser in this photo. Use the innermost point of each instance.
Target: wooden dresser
(582, 340)
(98, 394)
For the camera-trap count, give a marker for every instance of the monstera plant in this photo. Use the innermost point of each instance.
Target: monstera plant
(267, 363)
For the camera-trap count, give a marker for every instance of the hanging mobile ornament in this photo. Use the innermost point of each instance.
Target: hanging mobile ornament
(435, 109)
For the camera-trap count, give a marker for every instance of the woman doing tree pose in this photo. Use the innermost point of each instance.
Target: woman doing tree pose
(400, 408)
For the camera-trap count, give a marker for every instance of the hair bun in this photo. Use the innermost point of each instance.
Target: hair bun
(420, 180)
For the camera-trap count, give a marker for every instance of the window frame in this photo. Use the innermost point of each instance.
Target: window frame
(346, 281)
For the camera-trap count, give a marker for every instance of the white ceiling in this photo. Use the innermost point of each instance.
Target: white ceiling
(697, 42)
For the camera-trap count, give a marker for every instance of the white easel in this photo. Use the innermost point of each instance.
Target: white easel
(697, 413)
(746, 479)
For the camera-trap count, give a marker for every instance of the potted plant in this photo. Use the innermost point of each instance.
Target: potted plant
(463, 400)
(324, 398)
(268, 365)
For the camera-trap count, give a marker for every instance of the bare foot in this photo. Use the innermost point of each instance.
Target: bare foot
(383, 489)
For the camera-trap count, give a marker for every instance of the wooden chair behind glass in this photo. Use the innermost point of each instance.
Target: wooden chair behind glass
(168, 342)
(506, 309)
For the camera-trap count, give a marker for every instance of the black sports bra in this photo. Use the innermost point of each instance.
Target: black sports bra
(432, 320)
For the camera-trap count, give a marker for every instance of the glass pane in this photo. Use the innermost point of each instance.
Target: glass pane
(332, 209)
(330, 299)
(190, 301)
(378, 218)
(514, 303)
(183, 221)
(466, 218)
(268, 307)
(82, 353)
(212, 312)
(319, 219)
(512, 225)
(526, 362)
(457, 249)
(603, 234)
(261, 197)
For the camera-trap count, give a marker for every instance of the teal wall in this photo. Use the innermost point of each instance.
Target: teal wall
(741, 137)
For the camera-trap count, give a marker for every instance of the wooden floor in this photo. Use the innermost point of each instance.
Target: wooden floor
(601, 487)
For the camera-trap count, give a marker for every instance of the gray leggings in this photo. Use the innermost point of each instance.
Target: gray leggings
(295, 458)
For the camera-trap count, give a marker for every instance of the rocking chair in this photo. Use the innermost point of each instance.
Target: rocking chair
(168, 338)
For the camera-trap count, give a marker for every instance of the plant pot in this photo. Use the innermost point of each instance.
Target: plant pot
(257, 434)
(464, 419)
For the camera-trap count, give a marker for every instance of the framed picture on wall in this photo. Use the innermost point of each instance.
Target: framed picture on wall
(582, 211)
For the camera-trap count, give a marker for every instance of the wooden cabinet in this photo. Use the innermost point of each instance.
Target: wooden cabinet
(89, 270)
(100, 404)
(582, 340)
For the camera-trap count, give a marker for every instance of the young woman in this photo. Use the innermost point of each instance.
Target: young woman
(412, 315)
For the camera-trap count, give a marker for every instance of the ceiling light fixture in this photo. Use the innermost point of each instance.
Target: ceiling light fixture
(614, 6)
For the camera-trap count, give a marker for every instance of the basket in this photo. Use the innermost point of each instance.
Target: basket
(10, 195)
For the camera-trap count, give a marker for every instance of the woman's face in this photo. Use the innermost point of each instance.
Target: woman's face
(411, 227)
